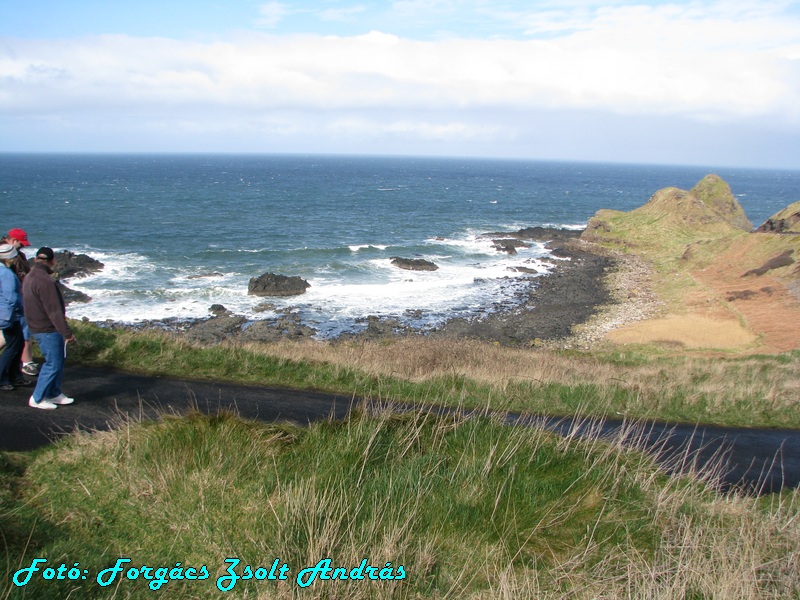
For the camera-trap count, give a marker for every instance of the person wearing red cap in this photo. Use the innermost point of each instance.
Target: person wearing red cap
(18, 235)
(10, 315)
(18, 238)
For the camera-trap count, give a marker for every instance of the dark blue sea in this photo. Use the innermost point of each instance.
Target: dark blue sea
(178, 233)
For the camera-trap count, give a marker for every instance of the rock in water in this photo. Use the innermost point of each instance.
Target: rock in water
(413, 264)
(271, 284)
(68, 264)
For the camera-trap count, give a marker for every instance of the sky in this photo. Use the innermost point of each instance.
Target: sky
(699, 82)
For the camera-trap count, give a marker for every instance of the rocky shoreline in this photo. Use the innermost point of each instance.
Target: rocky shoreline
(554, 303)
(572, 306)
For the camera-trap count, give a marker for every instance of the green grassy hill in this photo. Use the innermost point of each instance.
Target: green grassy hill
(661, 229)
(435, 507)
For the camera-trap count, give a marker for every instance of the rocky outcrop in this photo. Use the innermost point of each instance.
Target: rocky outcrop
(215, 330)
(72, 296)
(510, 241)
(413, 264)
(717, 196)
(225, 326)
(68, 264)
(785, 221)
(270, 284)
(568, 295)
(509, 246)
(218, 310)
(537, 234)
(288, 326)
(379, 328)
(709, 202)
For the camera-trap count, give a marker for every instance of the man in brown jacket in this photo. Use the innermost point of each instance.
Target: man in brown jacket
(46, 315)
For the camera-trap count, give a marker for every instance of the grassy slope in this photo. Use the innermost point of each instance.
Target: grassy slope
(470, 508)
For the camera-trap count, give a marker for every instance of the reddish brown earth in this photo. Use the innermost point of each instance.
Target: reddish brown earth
(739, 303)
(764, 302)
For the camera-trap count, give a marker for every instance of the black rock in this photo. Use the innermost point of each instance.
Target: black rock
(413, 264)
(537, 234)
(71, 296)
(270, 284)
(215, 330)
(509, 245)
(218, 310)
(68, 264)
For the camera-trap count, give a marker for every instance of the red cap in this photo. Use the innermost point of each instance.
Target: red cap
(20, 236)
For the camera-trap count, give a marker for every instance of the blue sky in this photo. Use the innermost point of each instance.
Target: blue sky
(704, 82)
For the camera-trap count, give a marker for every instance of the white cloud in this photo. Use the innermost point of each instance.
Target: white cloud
(271, 14)
(726, 61)
(653, 69)
(381, 125)
(426, 7)
(341, 14)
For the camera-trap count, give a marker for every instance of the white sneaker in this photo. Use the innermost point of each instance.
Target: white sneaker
(30, 368)
(61, 399)
(43, 404)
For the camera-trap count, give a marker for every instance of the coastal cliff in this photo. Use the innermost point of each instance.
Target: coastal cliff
(722, 284)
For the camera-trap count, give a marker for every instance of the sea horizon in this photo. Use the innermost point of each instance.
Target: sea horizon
(390, 155)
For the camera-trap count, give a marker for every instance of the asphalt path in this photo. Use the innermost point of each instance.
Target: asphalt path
(755, 460)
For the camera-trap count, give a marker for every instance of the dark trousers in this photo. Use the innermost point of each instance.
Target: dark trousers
(12, 353)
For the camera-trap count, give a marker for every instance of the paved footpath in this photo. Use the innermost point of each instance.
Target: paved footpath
(760, 460)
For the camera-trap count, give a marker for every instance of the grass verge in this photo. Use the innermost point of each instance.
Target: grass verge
(640, 383)
(468, 507)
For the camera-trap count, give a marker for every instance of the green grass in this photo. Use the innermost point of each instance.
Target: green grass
(469, 507)
(634, 384)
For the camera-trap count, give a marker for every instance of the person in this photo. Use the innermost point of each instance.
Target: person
(46, 313)
(10, 317)
(19, 239)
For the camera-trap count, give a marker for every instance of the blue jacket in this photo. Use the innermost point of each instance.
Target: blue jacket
(10, 297)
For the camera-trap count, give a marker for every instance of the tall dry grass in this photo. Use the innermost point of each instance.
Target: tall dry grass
(643, 383)
(773, 382)
(473, 509)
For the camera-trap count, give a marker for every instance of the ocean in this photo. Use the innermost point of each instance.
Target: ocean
(178, 233)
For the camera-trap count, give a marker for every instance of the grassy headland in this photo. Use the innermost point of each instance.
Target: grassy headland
(709, 270)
